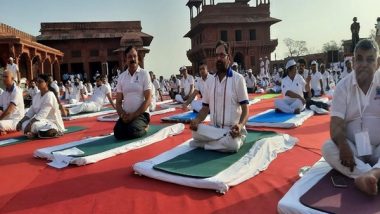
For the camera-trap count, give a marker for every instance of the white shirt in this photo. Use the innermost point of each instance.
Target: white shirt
(315, 81)
(344, 74)
(251, 81)
(305, 74)
(162, 85)
(345, 106)
(33, 91)
(296, 86)
(55, 86)
(224, 100)
(13, 96)
(46, 107)
(76, 91)
(133, 88)
(156, 84)
(325, 79)
(201, 84)
(89, 87)
(174, 85)
(13, 68)
(100, 94)
(186, 83)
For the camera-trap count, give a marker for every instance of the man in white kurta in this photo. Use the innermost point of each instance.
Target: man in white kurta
(325, 78)
(11, 103)
(12, 67)
(77, 92)
(96, 102)
(196, 105)
(250, 80)
(316, 80)
(292, 87)
(187, 86)
(226, 99)
(355, 120)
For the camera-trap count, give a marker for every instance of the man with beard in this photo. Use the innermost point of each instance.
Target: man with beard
(134, 95)
(354, 148)
(226, 99)
(77, 93)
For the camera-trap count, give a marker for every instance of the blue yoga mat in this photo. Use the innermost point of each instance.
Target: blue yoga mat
(181, 118)
(186, 116)
(272, 117)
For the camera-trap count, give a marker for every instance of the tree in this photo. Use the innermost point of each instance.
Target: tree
(330, 46)
(295, 48)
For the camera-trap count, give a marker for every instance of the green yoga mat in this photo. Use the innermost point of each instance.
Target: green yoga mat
(21, 139)
(200, 163)
(267, 96)
(110, 142)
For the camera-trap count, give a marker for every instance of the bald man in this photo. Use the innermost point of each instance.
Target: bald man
(11, 104)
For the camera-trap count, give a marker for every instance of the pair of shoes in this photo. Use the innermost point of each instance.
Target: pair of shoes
(50, 133)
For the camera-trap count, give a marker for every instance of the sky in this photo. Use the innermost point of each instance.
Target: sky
(314, 21)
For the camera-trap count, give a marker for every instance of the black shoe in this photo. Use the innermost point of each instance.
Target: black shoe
(51, 133)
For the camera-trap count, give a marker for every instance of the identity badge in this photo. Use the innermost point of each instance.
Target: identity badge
(363, 144)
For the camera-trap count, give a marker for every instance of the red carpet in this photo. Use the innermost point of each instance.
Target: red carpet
(28, 185)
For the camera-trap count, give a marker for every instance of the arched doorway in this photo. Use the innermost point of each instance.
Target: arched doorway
(47, 67)
(56, 75)
(239, 58)
(36, 66)
(24, 66)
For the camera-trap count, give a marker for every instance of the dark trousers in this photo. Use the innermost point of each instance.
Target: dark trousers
(134, 129)
(172, 94)
(251, 90)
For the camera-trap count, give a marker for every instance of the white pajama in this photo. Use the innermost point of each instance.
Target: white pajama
(85, 107)
(8, 125)
(288, 105)
(179, 98)
(331, 154)
(213, 138)
(40, 125)
(196, 105)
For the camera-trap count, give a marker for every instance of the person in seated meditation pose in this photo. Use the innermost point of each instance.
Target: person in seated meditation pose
(226, 98)
(11, 104)
(354, 148)
(292, 87)
(187, 86)
(134, 95)
(96, 102)
(196, 105)
(43, 118)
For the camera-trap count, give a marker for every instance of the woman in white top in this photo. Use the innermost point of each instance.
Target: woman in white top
(44, 117)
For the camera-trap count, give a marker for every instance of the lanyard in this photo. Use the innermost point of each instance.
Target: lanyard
(224, 101)
(366, 103)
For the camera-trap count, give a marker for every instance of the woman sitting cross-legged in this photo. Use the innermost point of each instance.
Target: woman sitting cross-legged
(43, 118)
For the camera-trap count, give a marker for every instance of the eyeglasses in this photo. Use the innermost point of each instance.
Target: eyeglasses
(221, 55)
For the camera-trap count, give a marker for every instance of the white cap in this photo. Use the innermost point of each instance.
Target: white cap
(249, 70)
(290, 63)
(261, 58)
(234, 64)
(182, 68)
(11, 58)
(280, 70)
(314, 62)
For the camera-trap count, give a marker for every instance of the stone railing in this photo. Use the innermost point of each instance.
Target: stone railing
(8, 30)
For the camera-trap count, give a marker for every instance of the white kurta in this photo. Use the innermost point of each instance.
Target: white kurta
(45, 109)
